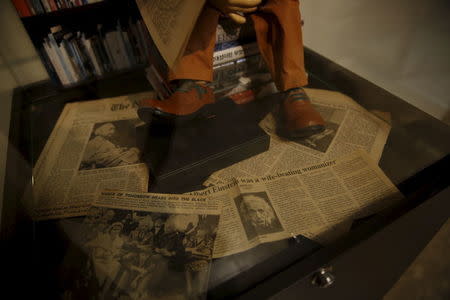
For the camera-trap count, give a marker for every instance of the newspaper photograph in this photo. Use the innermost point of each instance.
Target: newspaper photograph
(257, 214)
(111, 144)
(170, 24)
(319, 201)
(142, 246)
(349, 127)
(91, 148)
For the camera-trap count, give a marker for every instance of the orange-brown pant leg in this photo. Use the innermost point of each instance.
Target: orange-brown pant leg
(279, 35)
(197, 61)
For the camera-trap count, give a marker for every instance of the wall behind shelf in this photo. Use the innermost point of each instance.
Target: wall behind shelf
(402, 46)
(19, 65)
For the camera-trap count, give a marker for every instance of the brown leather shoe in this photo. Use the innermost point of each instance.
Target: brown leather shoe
(296, 117)
(190, 100)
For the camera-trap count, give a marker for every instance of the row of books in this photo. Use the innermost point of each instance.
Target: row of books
(72, 57)
(237, 64)
(27, 8)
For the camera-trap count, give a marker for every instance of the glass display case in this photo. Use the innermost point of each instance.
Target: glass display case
(365, 260)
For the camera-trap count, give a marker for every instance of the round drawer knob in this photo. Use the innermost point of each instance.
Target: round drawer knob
(323, 278)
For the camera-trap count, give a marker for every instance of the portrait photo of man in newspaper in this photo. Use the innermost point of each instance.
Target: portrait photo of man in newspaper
(111, 144)
(257, 214)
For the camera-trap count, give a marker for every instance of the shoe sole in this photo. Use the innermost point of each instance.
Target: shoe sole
(301, 133)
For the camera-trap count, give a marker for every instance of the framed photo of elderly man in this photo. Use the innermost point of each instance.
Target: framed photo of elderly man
(257, 214)
(111, 144)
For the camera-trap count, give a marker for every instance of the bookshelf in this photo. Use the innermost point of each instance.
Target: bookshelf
(75, 62)
(82, 45)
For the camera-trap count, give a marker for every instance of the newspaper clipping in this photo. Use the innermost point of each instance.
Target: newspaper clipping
(349, 127)
(92, 148)
(170, 23)
(318, 201)
(142, 246)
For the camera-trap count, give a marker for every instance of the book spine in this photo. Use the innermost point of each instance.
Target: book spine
(226, 45)
(64, 63)
(108, 51)
(62, 78)
(52, 4)
(38, 7)
(136, 39)
(48, 64)
(79, 58)
(69, 59)
(122, 46)
(56, 60)
(234, 53)
(62, 4)
(144, 39)
(223, 35)
(113, 45)
(90, 52)
(100, 53)
(229, 75)
(105, 46)
(227, 31)
(86, 62)
(121, 51)
(31, 7)
(22, 8)
(46, 6)
(128, 47)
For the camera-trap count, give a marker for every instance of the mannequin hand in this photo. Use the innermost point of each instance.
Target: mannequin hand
(235, 8)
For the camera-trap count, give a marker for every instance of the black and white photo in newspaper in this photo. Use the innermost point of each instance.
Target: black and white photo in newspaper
(257, 214)
(111, 144)
(160, 247)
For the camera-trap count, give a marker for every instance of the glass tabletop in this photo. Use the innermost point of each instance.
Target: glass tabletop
(416, 142)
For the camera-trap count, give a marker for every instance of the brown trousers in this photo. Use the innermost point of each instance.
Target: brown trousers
(279, 36)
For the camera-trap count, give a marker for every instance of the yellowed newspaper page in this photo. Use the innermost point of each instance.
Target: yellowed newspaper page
(92, 147)
(349, 127)
(318, 201)
(141, 245)
(170, 23)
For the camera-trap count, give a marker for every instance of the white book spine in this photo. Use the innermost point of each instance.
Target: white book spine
(56, 64)
(231, 54)
(69, 63)
(54, 45)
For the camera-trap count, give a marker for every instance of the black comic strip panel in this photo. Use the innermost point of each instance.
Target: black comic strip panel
(140, 255)
(257, 214)
(111, 144)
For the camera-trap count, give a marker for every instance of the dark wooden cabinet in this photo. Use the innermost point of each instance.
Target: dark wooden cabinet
(364, 263)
